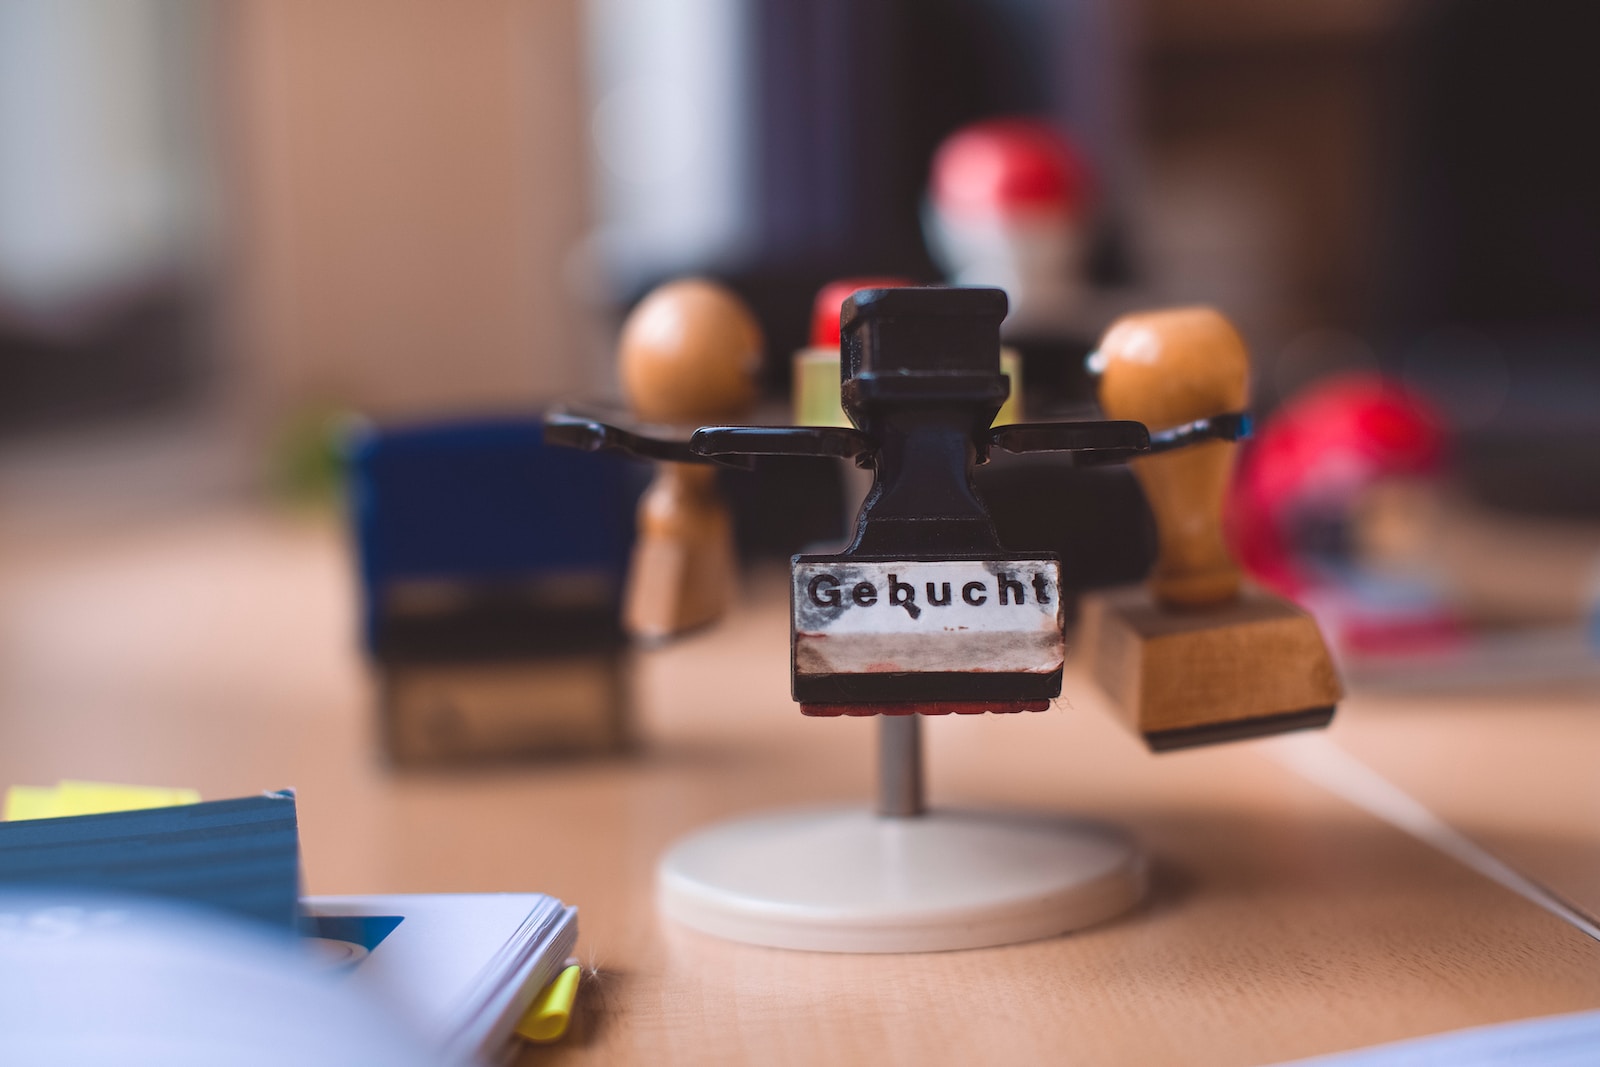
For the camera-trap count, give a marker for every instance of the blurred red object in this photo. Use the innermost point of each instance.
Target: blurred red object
(1009, 166)
(825, 309)
(1318, 453)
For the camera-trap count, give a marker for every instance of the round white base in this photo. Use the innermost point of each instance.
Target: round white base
(836, 880)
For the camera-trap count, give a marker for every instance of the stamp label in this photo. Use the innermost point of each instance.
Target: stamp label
(919, 616)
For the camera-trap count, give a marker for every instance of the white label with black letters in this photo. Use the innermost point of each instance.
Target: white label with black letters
(979, 616)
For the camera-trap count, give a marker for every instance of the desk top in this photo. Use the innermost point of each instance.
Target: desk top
(220, 652)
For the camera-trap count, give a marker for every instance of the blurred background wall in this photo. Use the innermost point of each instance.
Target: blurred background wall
(108, 225)
(407, 181)
(218, 219)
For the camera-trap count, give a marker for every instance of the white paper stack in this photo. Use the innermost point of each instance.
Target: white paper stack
(461, 968)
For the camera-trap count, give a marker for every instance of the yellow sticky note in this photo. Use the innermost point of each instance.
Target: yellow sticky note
(96, 798)
(547, 1017)
(89, 798)
(30, 802)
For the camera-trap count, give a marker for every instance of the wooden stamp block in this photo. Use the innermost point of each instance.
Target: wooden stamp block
(443, 712)
(1249, 667)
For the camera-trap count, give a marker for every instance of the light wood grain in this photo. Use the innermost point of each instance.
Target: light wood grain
(1515, 770)
(220, 652)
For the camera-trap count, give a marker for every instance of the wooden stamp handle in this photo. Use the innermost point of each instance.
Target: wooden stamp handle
(689, 354)
(1167, 368)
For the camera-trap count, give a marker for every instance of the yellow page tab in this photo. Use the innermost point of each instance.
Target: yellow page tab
(547, 1017)
(69, 797)
(97, 798)
(30, 802)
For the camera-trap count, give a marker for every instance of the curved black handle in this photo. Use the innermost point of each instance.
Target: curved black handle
(1096, 443)
(589, 434)
(1120, 437)
(839, 442)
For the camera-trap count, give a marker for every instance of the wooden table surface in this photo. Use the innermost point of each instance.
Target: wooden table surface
(218, 651)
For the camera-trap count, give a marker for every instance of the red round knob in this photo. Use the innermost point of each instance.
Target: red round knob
(825, 309)
(1007, 167)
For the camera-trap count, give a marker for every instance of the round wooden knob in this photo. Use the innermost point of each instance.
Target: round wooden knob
(689, 354)
(1167, 368)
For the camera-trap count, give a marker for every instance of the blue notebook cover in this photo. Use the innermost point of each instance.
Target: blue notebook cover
(238, 856)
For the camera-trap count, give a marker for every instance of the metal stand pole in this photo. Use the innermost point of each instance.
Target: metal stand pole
(900, 765)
